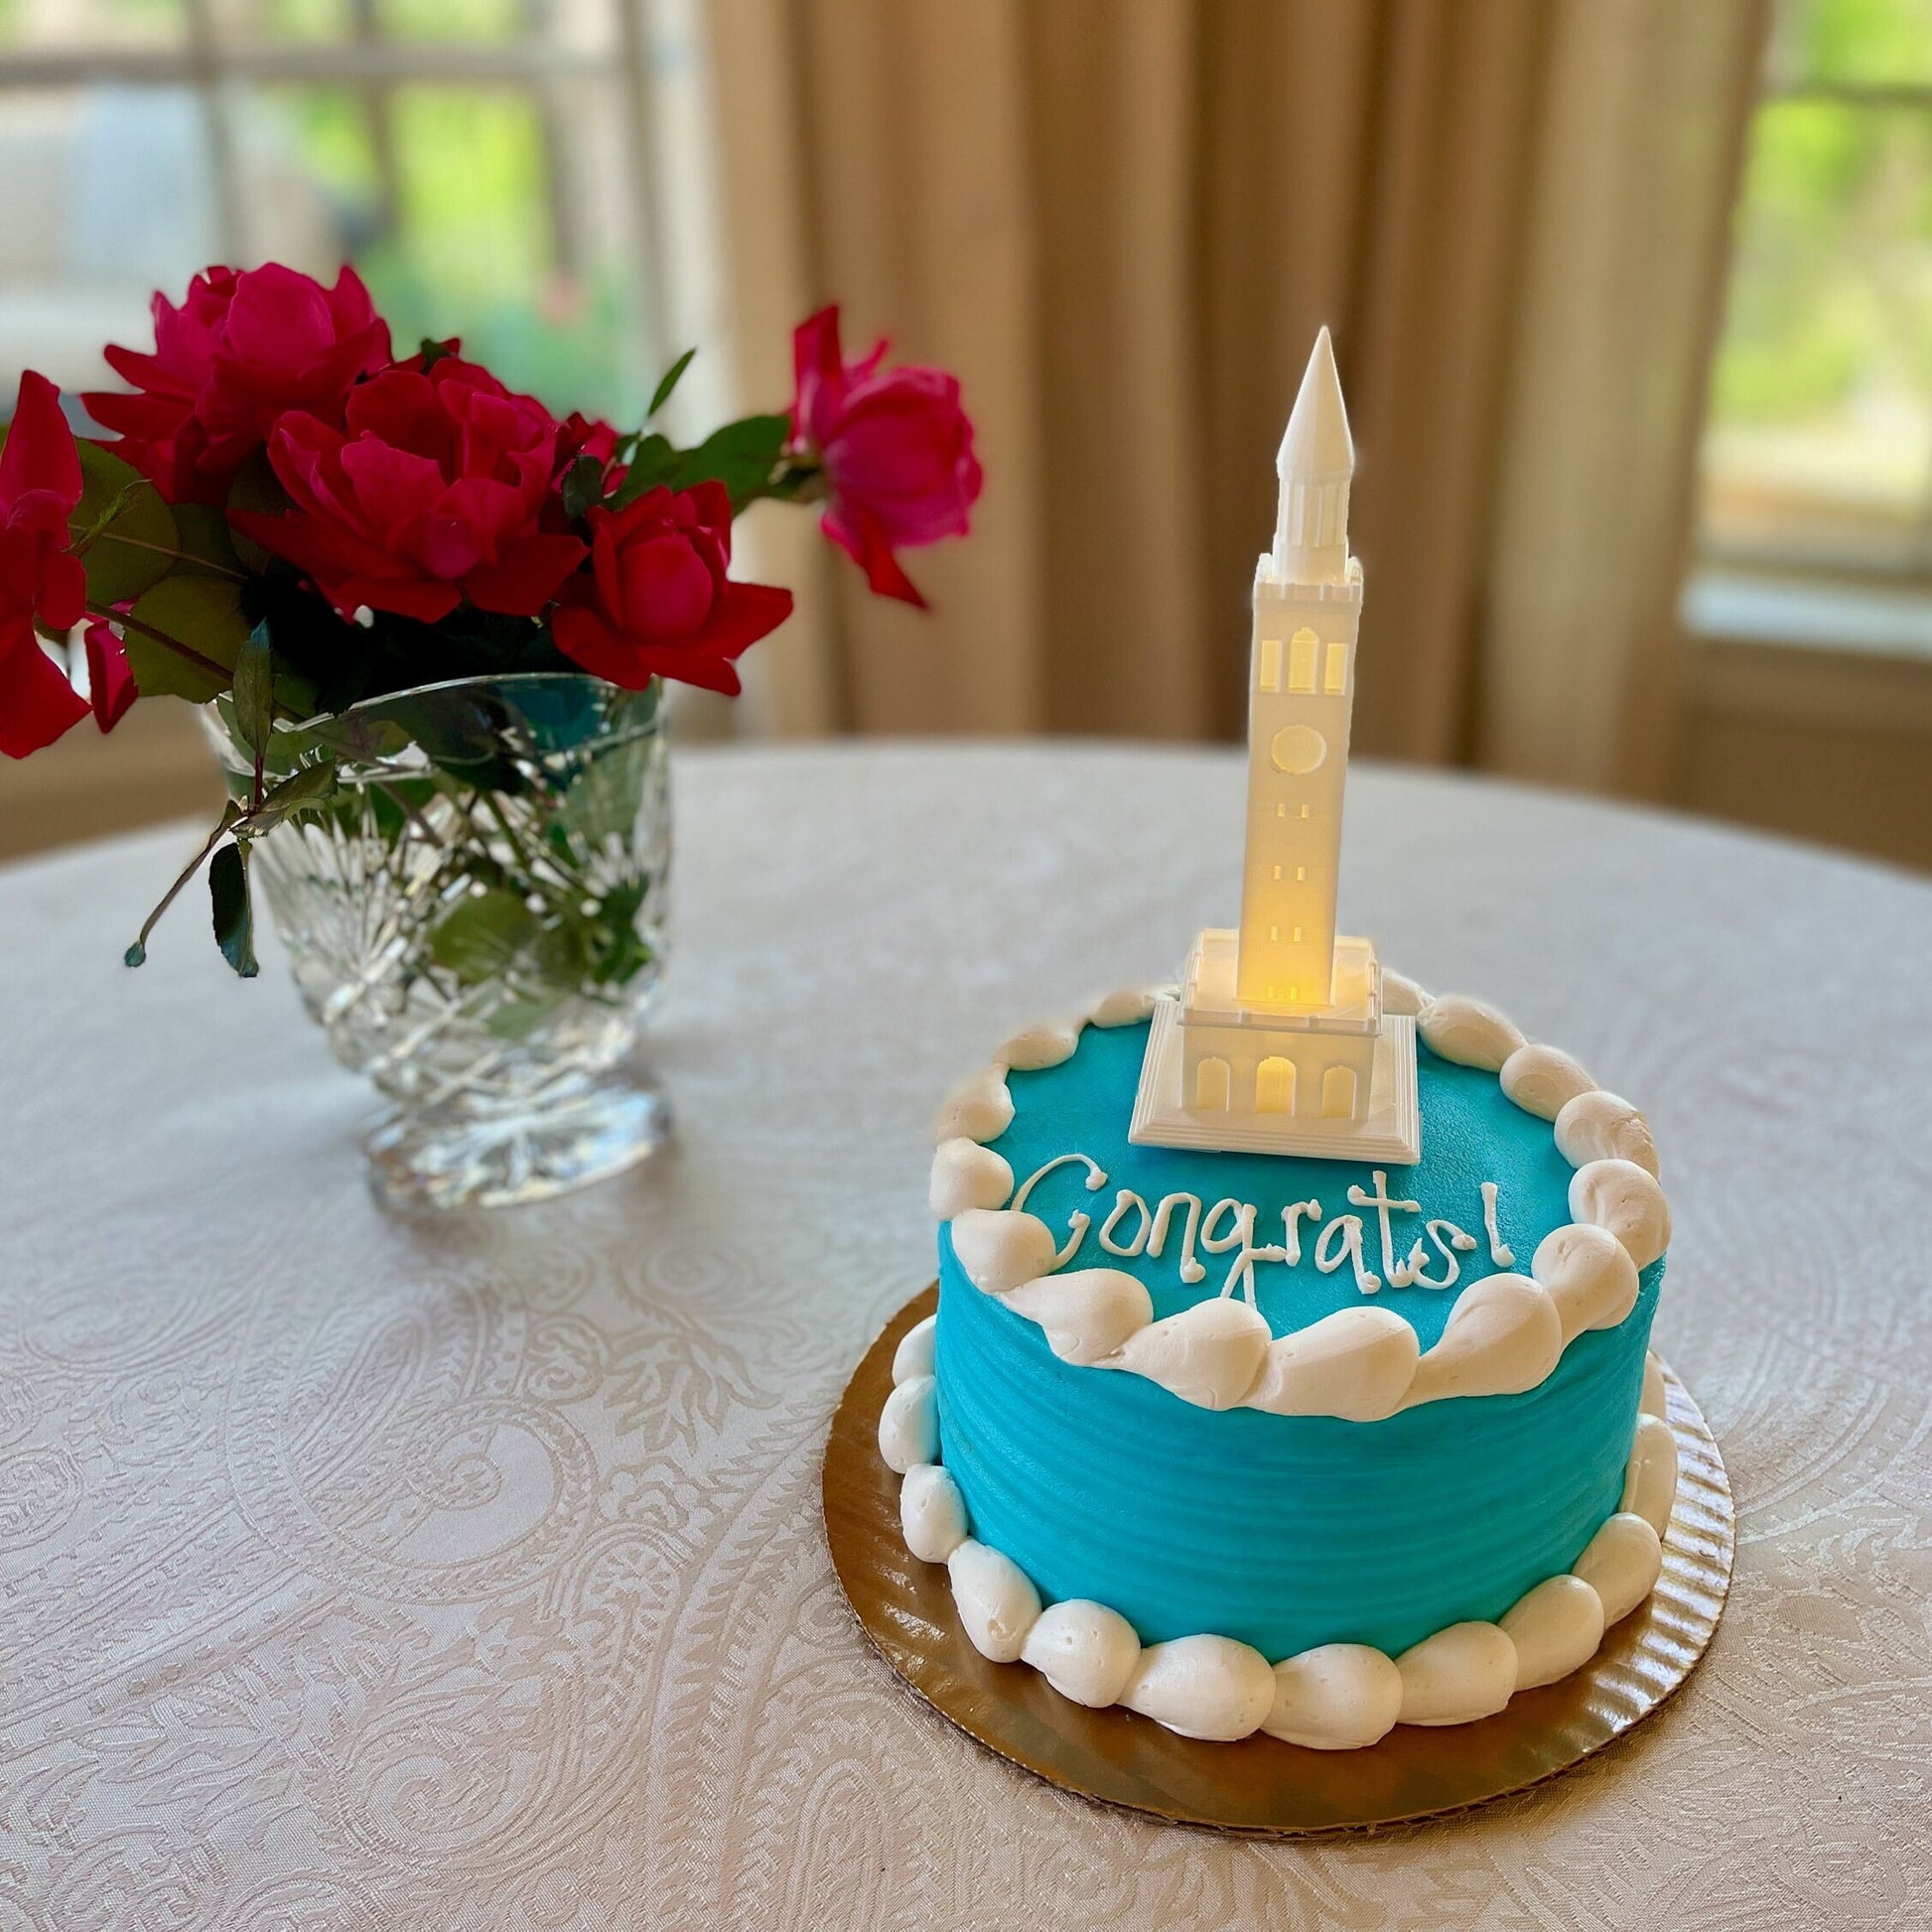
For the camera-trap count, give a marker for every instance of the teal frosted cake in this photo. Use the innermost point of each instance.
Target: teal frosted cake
(1250, 1443)
(1289, 1368)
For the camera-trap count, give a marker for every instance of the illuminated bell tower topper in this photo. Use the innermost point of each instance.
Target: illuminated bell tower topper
(1277, 1042)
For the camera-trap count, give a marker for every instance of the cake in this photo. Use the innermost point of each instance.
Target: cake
(1290, 1372)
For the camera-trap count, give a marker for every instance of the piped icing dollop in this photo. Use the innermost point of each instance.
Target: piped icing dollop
(1052, 1246)
(1332, 1697)
(1504, 1332)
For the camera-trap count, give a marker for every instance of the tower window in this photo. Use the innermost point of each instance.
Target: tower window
(1338, 1093)
(1300, 660)
(1305, 812)
(1294, 933)
(1300, 874)
(1270, 678)
(1211, 1086)
(1277, 871)
(1274, 932)
(1275, 1085)
(1335, 675)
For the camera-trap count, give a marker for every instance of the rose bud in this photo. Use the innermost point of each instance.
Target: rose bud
(656, 601)
(895, 446)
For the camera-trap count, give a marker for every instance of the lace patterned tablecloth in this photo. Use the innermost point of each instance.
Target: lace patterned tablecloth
(364, 1573)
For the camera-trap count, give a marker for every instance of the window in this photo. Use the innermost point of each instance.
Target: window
(1816, 456)
(1211, 1086)
(484, 163)
(1300, 660)
(1335, 676)
(1270, 664)
(1275, 1086)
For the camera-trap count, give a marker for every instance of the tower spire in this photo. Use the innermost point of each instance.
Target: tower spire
(1278, 1040)
(1314, 465)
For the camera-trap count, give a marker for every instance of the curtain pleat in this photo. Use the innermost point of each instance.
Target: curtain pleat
(922, 211)
(1114, 125)
(1648, 102)
(1122, 222)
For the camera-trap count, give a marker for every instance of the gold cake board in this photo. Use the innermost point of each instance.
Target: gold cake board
(1261, 1785)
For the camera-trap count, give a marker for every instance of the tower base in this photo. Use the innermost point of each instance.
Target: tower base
(1388, 1128)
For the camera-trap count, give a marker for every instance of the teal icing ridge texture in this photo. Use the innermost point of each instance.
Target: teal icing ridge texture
(1284, 1532)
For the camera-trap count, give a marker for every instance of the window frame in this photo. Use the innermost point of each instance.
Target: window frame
(213, 63)
(1713, 565)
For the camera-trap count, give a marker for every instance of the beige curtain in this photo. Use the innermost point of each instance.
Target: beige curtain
(1121, 221)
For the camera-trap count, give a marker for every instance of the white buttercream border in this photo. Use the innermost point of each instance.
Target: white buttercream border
(1339, 1697)
(1505, 1335)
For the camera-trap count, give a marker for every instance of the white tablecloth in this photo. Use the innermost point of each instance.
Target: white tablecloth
(361, 1574)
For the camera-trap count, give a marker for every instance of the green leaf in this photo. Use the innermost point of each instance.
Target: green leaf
(256, 487)
(205, 541)
(300, 791)
(202, 617)
(615, 952)
(122, 526)
(294, 694)
(583, 485)
(255, 694)
(655, 462)
(751, 438)
(137, 953)
(743, 455)
(104, 478)
(234, 916)
(662, 393)
(604, 800)
(484, 935)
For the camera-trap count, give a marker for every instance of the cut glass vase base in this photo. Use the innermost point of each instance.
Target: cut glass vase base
(463, 1157)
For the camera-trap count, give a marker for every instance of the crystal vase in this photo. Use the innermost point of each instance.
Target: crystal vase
(477, 919)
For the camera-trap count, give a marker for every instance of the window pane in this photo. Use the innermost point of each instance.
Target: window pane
(468, 155)
(499, 214)
(458, 20)
(1852, 42)
(240, 22)
(1819, 444)
(110, 195)
(40, 25)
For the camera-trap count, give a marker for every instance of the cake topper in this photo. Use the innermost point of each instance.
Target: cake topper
(1278, 1041)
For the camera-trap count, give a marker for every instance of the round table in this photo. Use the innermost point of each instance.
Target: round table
(365, 1572)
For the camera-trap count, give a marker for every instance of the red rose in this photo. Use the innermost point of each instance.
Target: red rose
(431, 491)
(581, 435)
(240, 351)
(110, 682)
(657, 603)
(40, 483)
(895, 446)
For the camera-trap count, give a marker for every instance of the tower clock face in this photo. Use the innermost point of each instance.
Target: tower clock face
(1298, 750)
